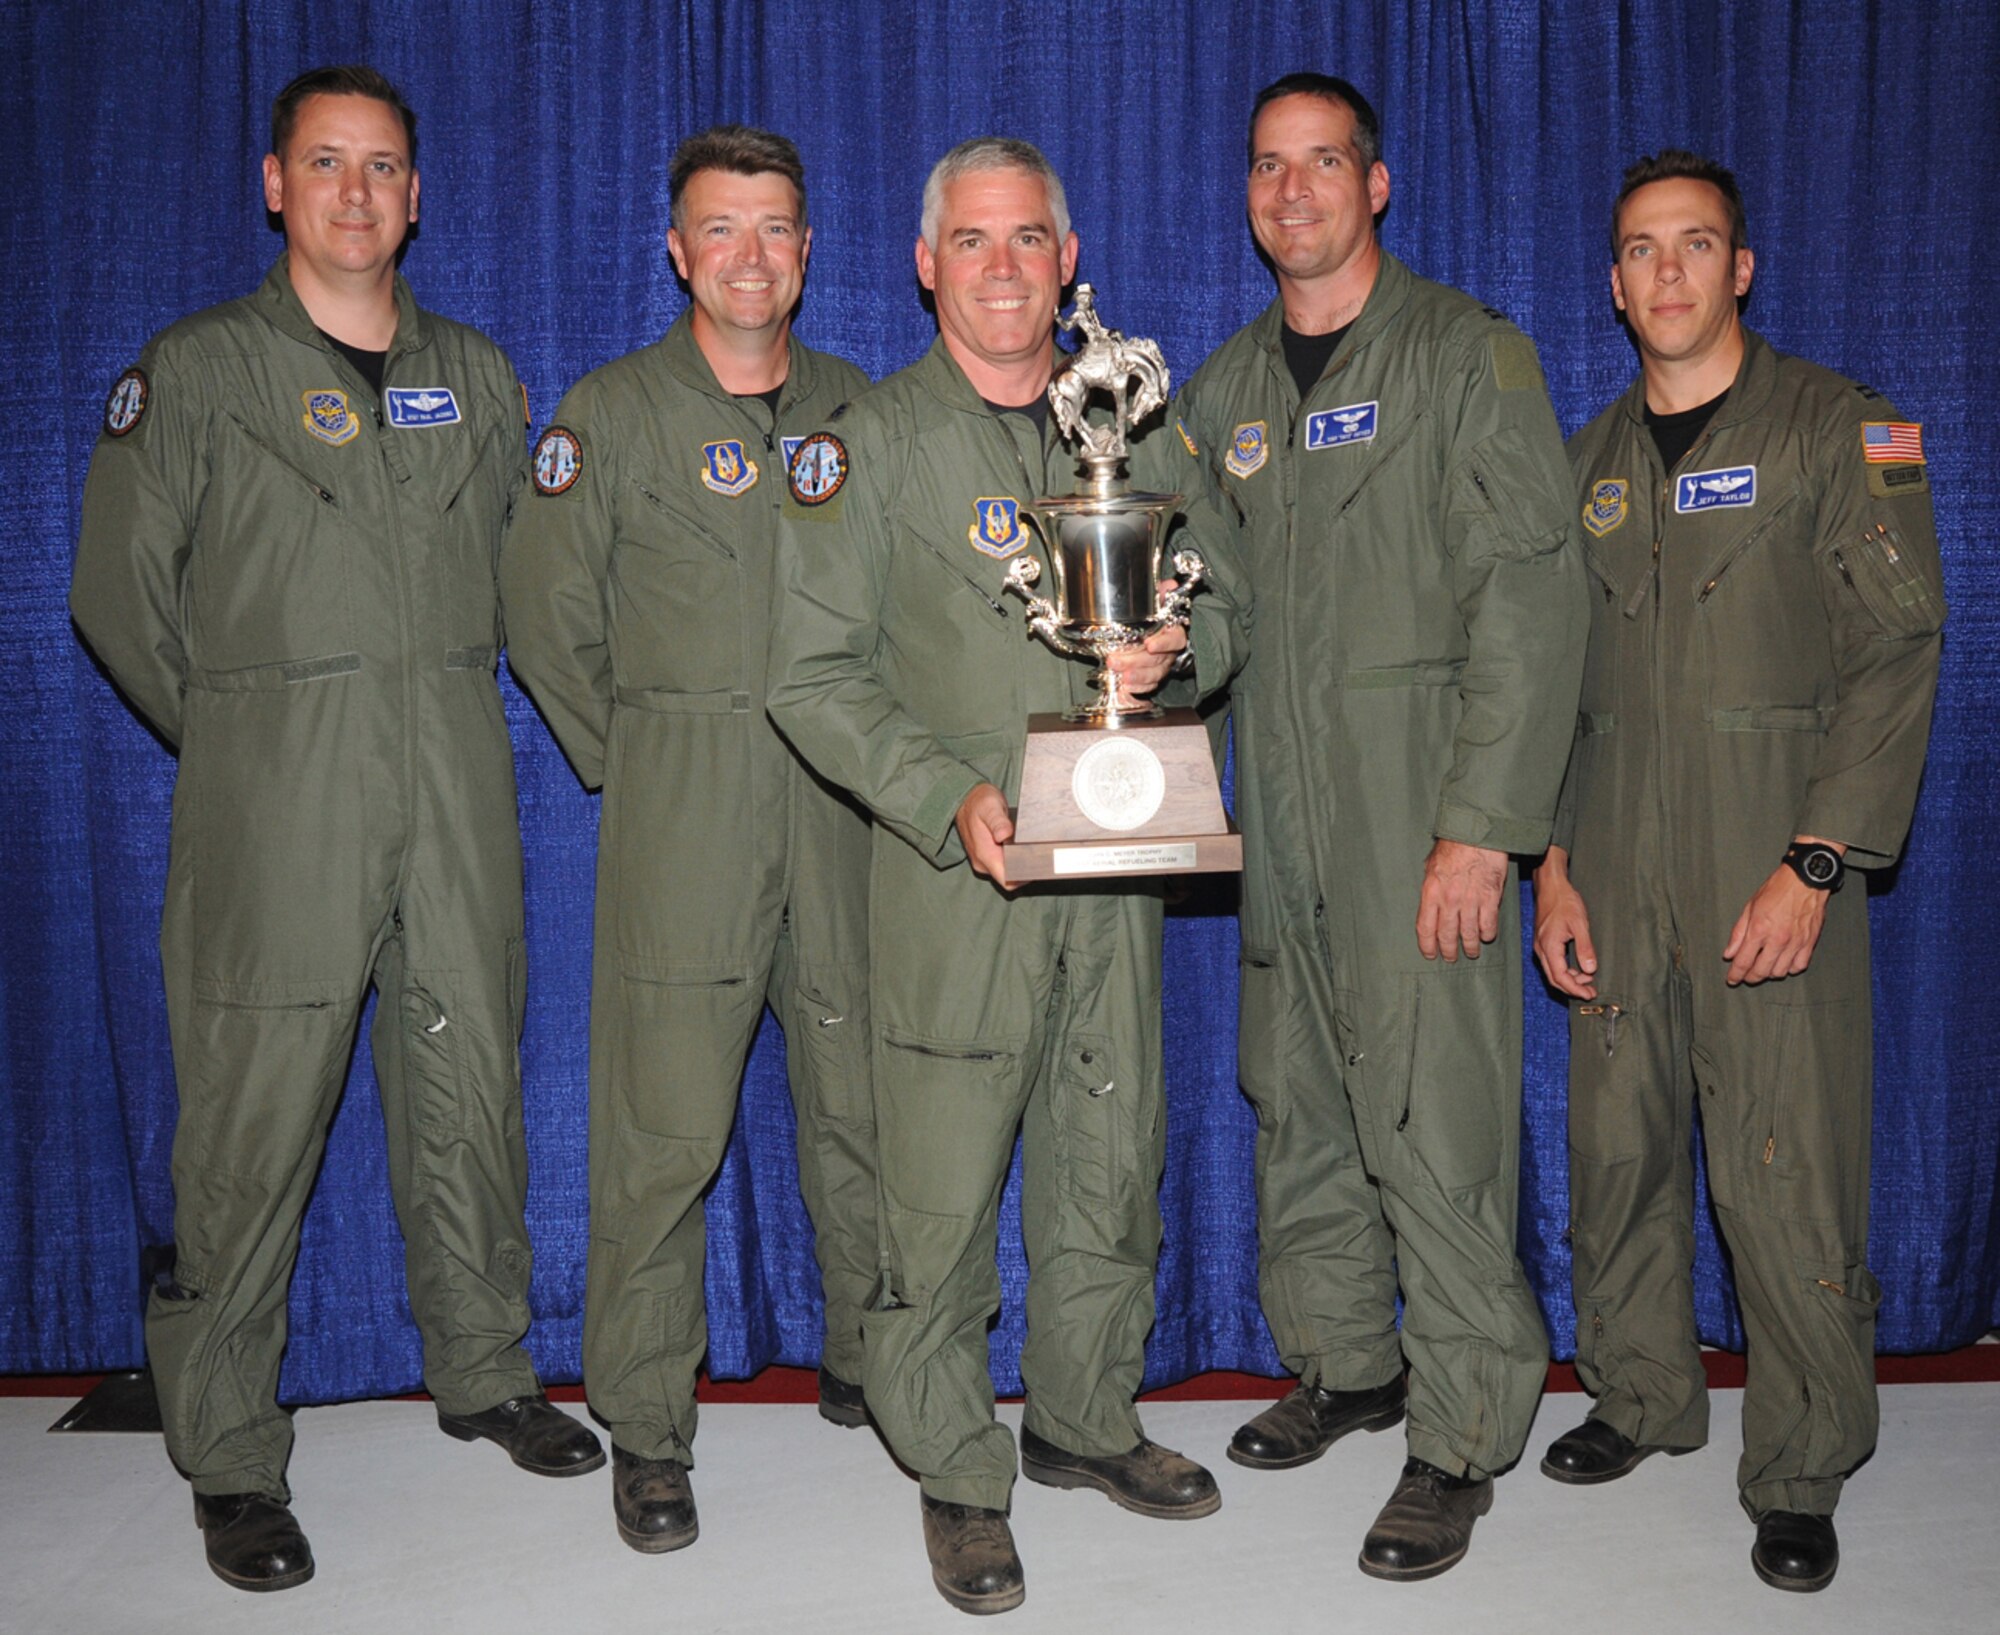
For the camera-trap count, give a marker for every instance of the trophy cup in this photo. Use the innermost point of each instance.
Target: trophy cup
(1116, 785)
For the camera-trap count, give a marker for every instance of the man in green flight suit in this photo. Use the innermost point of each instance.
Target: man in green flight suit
(638, 581)
(1763, 656)
(290, 535)
(900, 672)
(1389, 450)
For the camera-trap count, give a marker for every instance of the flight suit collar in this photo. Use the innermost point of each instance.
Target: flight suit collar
(1393, 283)
(942, 377)
(1756, 379)
(281, 306)
(689, 365)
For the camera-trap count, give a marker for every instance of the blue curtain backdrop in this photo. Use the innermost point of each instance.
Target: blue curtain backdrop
(1864, 138)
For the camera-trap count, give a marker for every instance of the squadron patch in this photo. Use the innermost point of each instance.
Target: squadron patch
(818, 469)
(1249, 448)
(1336, 428)
(1607, 506)
(422, 406)
(724, 470)
(1180, 426)
(996, 526)
(329, 418)
(1712, 490)
(558, 460)
(126, 405)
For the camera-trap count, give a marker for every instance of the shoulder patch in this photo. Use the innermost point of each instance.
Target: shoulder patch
(1891, 482)
(1892, 442)
(558, 460)
(1515, 366)
(1180, 426)
(126, 406)
(819, 469)
(1868, 392)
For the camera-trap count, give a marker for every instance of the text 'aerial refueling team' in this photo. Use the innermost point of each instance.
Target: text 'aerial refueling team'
(759, 603)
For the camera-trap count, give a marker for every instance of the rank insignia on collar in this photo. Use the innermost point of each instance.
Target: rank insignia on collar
(329, 418)
(996, 526)
(558, 460)
(1710, 490)
(421, 406)
(126, 405)
(1249, 448)
(724, 469)
(818, 469)
(1336, 428)
(1180, 426)
(1607, 506)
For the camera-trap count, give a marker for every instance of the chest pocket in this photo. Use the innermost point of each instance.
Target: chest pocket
(268, 579)
(677, 584)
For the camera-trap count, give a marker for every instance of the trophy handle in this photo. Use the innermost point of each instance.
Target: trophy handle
(1192, 572)
(1023, 574)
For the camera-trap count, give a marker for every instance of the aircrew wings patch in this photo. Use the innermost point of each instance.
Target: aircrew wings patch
(558, 461)
(819, 469)
(126, 406)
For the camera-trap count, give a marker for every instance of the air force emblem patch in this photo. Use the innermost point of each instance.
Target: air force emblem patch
(1709, 490)
(558, 460)
(1607, 506)
(329, 418)
(1336, 428)
(411, 406)
(724, 470)
(818, 469)
(996, 526)
(1249, 448)
(127, 402)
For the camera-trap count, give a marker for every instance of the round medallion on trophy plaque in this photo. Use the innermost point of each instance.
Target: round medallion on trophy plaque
(1118, 783)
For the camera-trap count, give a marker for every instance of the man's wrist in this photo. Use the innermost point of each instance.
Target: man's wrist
(1817, 864)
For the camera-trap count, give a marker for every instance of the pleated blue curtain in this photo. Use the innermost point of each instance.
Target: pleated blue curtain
(1862, 135)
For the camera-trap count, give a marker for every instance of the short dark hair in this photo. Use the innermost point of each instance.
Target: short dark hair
(1670, 164)
(743, 149)
(1367, 125)
(348, 80)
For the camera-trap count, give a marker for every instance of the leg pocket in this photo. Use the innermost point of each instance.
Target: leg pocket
(826, 1040)
(679, 1050)
(1612, 1081)
(1261, 1041)
(1105, 1126)
(1459, 1113)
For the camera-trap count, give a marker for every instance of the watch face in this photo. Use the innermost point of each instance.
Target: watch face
(1822, 867)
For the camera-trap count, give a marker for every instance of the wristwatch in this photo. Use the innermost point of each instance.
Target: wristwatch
(1821, 867)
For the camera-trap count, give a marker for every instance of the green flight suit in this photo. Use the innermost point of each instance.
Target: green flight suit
(903, 673)
(638, 582)
(1763, 656)
(1420, 633)
(297, 588)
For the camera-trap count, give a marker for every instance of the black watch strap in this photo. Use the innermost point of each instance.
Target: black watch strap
(1821, 867)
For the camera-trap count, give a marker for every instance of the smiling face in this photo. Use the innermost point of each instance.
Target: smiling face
(1313, 196)
(998, 272)
(1676, 279)
(345, 189)
(742, 249)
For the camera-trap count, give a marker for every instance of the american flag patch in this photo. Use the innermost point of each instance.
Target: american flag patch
(1892, 442)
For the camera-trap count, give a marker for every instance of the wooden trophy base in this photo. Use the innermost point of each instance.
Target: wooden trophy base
(1138, 798)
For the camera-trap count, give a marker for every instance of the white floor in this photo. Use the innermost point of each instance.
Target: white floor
(809, 1528)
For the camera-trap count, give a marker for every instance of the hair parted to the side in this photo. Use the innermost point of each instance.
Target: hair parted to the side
(1670, 164)
(347, 80)
(743, 150)
(1367, 123)
(991, 153)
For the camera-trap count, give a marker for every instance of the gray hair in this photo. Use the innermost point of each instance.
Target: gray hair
(991, 153)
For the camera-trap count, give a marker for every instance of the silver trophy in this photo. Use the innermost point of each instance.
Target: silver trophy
(1104, 541)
